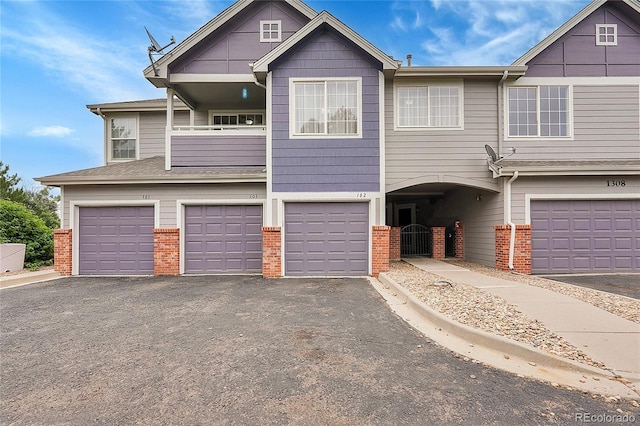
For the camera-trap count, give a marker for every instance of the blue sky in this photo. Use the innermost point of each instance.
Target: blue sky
(58, 56)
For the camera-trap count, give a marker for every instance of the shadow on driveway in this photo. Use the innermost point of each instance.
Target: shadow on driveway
(623, 284)
(243, 350)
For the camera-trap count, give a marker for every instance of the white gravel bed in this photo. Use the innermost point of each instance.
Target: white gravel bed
(479, 309)
(621, 306)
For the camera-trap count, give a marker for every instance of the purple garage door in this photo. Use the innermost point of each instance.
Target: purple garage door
(223, 239)
(326, 239)
(576, 236)
(116, 241)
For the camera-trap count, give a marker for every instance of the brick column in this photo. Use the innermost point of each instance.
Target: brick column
(521, 252)
(271, 252)
(62, 251)
(438, 243)
(394, 243)
(380, 250)
(459, 240)
(166, 251)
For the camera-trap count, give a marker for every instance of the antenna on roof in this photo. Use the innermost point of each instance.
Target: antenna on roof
(156, 49)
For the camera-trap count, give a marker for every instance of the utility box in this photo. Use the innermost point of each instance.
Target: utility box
(12, 257)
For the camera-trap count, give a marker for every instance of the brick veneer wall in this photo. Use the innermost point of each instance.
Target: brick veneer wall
(459, 240)
(395, 252)
(271, 252)
(438, 244)
(62, 251)
(522, 248)
(380, 250)
(166, 251)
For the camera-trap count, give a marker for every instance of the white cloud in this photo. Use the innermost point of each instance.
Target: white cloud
(105, 70)
(50, 131)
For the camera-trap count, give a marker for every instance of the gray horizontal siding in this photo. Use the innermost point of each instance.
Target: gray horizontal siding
(606, 126)
(355, 162)
(218, 151)
(152, 130)
(167, 194)
(433, 155)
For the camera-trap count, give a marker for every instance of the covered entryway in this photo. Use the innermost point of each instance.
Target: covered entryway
(116, 240)
(223, 239)
(585, 236)
(326, 239)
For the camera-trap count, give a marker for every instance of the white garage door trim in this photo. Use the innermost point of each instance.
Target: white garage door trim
(74, 220)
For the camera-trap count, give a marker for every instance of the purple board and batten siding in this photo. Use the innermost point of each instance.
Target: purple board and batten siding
(116, 240)
(576, 55)
(202, 151)
(231, 48)
(316, 164)
(585, 236)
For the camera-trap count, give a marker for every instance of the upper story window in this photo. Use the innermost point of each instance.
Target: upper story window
(224, 119)
(429, 106)
(606, 35)
(123, 136)
(330, 107)
(541, 111)
(270, 31)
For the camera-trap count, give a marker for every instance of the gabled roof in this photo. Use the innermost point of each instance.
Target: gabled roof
(151, 170)
(208, 28)
(562, 30)
(261, 66)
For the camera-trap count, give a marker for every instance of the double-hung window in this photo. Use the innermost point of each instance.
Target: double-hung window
(541, 111)
(437, 106)
(123, 138)
(329, 108)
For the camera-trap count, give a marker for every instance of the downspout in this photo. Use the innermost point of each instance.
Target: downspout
(512, 241)
(500, 110)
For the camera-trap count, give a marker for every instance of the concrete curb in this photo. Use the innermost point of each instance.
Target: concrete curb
(28, 278)
(491, 341)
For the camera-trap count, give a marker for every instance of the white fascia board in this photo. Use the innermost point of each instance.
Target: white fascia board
(563, 29)
(568, 172)
(256, 178)
(208, 28)
(461, 71)
(262, 64)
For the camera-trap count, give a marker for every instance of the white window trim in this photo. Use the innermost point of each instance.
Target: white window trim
(537, 87)
(396, 102)
(293, 134)
(615, 35)
(264, 39)
(109, 142)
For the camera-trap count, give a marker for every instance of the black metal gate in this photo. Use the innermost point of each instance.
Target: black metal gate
(415, 240)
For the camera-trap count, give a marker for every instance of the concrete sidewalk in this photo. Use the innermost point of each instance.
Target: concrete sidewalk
(24, 278)
(603, 336)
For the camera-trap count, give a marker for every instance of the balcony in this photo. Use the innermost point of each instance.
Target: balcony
(219, 146)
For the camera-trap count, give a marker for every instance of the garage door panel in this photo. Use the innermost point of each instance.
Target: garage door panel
(326, 238)
(116, 240)
(595, 236)
(223, 239)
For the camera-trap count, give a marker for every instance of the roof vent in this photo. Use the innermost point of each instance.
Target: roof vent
(409, 57)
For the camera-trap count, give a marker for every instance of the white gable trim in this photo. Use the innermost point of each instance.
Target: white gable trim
(562, 30)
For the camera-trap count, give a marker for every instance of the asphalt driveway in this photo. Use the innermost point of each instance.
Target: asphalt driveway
(623, 284)
(243, 350)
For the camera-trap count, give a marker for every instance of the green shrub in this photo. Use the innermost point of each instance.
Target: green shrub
(19, 225)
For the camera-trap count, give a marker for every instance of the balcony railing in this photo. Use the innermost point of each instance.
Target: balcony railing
(240, 130)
